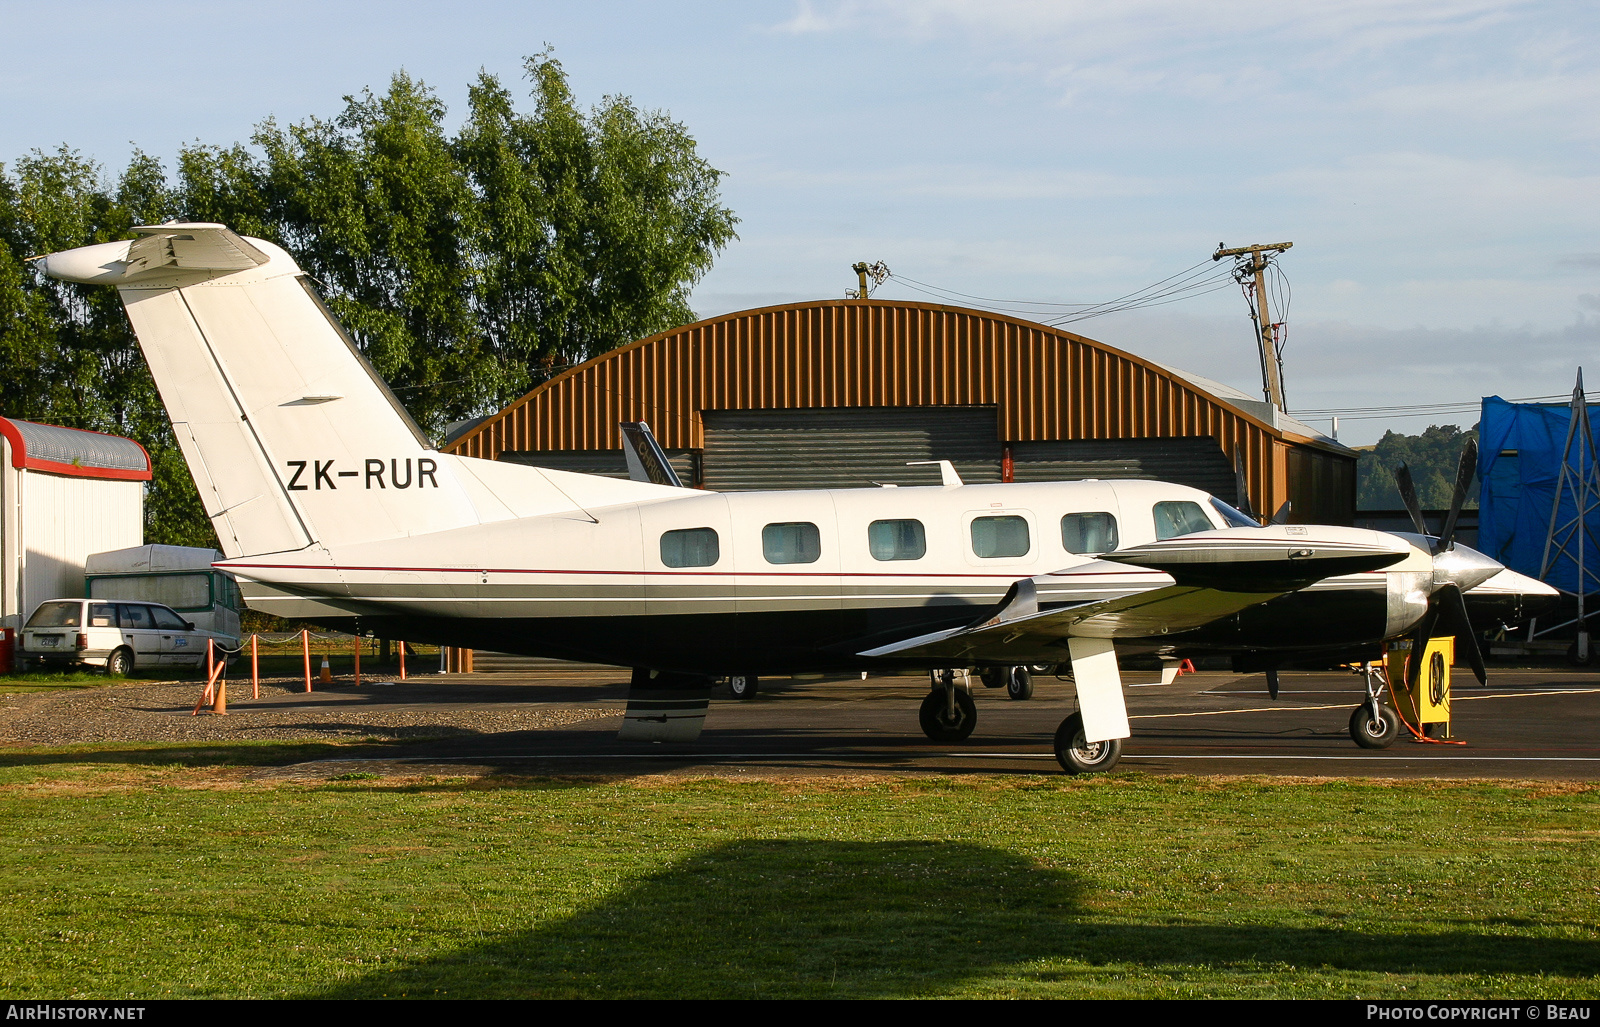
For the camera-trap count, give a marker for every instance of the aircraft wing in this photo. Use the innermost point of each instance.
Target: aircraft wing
(1215, 574)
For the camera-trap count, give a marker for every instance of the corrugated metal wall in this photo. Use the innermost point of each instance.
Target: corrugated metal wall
(777, 449)
(1197, 461)
(1044, 384)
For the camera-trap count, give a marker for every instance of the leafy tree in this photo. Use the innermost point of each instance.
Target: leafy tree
(469, 268)
(1433, 458)
(466, 267)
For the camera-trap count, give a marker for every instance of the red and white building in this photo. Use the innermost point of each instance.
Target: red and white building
(64, 494)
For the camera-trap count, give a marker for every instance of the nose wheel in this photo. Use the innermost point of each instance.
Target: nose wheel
(1372, 724)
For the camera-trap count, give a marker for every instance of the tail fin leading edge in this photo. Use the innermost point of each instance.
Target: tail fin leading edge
(292, 439)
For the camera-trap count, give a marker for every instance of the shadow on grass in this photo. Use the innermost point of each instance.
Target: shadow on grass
(862, 919)
(195, 754)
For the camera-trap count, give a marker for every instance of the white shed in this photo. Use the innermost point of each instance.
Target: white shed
(64, 494)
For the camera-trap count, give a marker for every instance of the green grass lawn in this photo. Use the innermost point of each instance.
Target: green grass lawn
(160, 871)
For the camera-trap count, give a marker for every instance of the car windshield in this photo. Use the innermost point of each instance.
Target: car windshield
(57, 615)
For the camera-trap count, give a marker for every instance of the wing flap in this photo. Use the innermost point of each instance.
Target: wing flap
(190, 247)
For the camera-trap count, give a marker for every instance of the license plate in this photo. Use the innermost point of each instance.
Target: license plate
(48, 641)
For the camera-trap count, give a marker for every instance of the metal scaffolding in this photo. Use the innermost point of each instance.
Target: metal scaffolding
(1572, 538)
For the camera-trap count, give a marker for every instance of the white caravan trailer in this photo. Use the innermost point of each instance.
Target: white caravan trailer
(175, 576)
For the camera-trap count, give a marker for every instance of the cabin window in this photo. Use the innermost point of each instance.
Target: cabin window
(1182, 518)
(997, 537)
(690, 547)
(897, 540)
(791, 542)
(168, 620)
(102, 615)
(1088, 533)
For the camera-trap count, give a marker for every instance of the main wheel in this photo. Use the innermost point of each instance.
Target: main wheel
(1374, 734)
(119, 663)
(1079, 756)
(935, 716)
(743, 686)
(1019, 683)
(993, 677)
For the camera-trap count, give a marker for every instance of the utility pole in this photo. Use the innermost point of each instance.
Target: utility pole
(878, 272)
(1260, 257)
(860, 268)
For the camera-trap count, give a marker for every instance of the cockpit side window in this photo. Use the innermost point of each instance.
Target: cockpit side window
(1180, 518)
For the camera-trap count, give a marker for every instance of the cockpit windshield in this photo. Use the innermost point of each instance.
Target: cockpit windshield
(1235, 518)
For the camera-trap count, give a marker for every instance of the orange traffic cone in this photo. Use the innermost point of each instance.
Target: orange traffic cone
(327, 672)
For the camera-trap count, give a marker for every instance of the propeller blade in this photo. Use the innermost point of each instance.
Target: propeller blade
(1243, 486)
(1464, 472)
(1453, 610)
(1282, 516)
(1419, 643)
(1408, 496)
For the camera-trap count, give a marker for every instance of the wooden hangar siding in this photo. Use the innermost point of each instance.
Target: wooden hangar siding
(1043, 386)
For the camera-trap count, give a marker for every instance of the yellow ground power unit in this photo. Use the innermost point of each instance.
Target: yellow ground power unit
(1429, 703)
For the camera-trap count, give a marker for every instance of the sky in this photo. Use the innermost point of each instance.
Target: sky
(1433, 161)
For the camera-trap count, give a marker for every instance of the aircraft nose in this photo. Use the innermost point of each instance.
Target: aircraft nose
(1464, 567)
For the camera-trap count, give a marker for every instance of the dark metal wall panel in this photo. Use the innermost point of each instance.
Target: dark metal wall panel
(1197, 461)
(1045, 384)
(850, 447)
(609, 463)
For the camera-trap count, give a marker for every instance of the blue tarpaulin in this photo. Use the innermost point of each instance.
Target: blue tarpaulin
(1521, 447)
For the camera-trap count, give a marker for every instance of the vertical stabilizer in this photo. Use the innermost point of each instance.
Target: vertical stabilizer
(292, 439)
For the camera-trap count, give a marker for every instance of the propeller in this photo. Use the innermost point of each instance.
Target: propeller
(1243, 488)
(1446, 606)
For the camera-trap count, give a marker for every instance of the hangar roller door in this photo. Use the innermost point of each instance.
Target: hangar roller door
(846, 447)
(1197, 461)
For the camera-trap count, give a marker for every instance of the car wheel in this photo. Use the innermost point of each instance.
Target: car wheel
(743, 686)
(119, 663)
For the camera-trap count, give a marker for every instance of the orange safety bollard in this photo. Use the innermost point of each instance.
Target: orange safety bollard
(211, 661)
(218, 698)
(402, 661)
(255, 669)
(358, 661)
(305, 647)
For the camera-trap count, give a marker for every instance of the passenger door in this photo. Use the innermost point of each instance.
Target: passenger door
(139, 633)
(179, 645)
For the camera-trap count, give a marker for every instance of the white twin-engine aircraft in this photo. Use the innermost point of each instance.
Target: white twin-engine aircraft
(331, 506)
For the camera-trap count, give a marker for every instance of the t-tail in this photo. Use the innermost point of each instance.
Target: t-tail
(292, 439)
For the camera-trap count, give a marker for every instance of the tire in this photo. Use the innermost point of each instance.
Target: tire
(1019, 683)
(1572, 655)
(743, 686)
(119, 664)
(993, 677)
(1078, 756)
(1370, 734)
(932, 716)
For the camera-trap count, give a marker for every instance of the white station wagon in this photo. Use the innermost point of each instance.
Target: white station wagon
(118, 636)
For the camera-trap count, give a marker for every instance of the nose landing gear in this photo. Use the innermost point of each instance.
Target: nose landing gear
(1372, 724)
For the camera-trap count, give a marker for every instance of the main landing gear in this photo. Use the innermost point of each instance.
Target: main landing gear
(1077, 755)
(1017, 681)
(948, 714)
(1372, 724)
